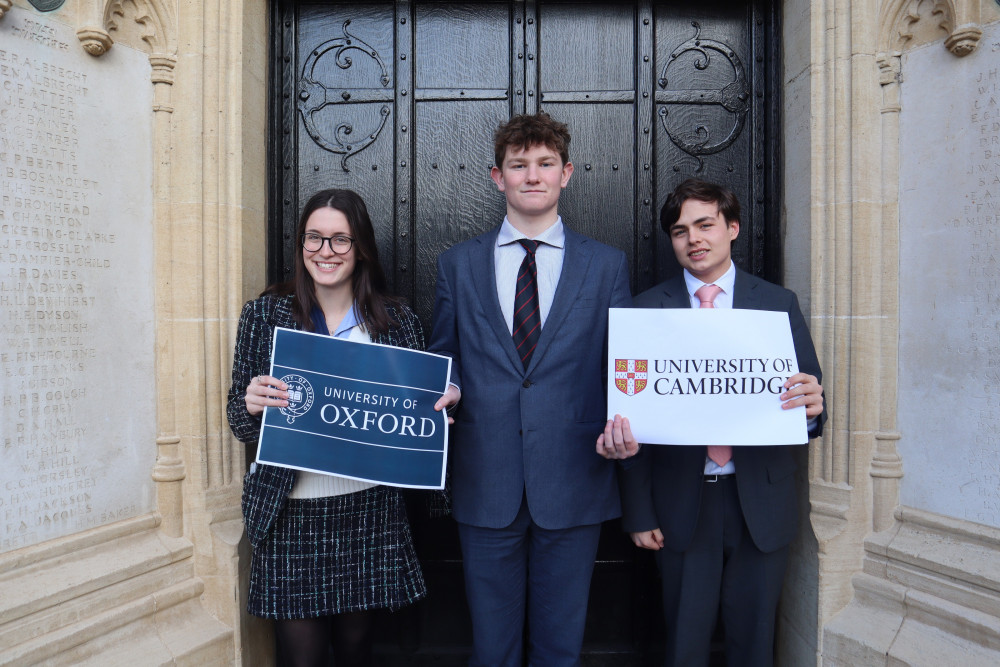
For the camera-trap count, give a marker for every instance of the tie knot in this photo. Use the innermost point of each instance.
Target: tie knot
(529, 246)
(706, 294)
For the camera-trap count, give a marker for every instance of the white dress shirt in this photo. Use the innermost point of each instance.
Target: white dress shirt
(723, 300)
(318, 485)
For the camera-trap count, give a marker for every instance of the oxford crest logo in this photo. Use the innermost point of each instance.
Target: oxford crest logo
(631, 375)
(300, 397)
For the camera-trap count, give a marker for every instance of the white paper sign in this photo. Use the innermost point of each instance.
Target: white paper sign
(687, 376)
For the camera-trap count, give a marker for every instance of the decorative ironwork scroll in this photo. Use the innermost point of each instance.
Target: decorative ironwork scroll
(734, 97)
(314, 96)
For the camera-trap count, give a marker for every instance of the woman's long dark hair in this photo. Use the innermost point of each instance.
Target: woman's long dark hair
(368, 280)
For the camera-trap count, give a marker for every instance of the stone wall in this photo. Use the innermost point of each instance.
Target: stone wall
(76, 293)
(144, 565)
(910, 584)
(949, 287)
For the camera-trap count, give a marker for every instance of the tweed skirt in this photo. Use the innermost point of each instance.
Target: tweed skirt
(335, 555)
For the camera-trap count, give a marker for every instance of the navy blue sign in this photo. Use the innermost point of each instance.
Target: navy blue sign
(357, 410)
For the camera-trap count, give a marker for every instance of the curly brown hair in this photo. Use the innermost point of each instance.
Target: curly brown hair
(524, 131)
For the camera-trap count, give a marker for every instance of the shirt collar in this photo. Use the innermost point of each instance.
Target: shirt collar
(727, 281)
(349, 322)
(553, 236)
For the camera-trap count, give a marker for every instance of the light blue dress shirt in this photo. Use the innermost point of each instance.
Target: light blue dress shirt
(508, 256)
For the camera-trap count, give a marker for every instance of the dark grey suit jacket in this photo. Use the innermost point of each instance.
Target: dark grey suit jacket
(529, 431)
(661, 486)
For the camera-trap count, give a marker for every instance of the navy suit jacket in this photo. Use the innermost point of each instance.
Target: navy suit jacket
(661, 486)
(529, 432)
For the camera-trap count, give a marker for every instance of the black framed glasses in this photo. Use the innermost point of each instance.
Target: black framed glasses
(338, 244)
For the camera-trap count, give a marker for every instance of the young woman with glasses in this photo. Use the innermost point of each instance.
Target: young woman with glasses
(326, 549)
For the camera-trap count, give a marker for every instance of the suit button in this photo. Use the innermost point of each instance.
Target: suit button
(526, 384)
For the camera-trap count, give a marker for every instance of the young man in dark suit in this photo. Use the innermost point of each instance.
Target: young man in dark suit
(522, 310)
(719, 518)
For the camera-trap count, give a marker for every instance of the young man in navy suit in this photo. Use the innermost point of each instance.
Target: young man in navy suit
(720, 521)
(522, 310)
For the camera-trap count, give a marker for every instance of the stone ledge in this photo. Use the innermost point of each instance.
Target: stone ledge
(71, 544)
(168, 628)
(930, 592)
(74, 612)
(862, 633)
(48, 582)
(944, 557)
(65, 607)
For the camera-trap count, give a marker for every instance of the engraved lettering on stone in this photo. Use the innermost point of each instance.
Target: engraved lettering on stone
(59, 264)
(979, 222)
(949, 234)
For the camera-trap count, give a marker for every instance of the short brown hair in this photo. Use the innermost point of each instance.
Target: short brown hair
(695, 188)
(524, 131)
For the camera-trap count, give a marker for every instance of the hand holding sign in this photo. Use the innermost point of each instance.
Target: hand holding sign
(617, 441)
(803, 389)
(265, 391)
(448, 400)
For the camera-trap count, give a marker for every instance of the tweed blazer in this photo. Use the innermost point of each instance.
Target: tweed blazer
(265, 487)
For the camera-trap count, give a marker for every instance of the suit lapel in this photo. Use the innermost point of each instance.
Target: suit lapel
(745, 293)
(675, 294)
(482, 268)
(576, 262)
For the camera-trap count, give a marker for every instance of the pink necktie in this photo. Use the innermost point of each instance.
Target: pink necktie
(720, 454)
(706, 294)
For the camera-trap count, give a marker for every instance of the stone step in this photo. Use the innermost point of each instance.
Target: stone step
(62, 599)
(169, 627)
(83, 581)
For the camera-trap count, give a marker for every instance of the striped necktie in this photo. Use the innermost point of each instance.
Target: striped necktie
(527, 317)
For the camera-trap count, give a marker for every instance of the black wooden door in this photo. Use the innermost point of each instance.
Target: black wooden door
(399, 101)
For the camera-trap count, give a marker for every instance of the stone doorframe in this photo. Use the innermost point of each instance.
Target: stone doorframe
(209, 62)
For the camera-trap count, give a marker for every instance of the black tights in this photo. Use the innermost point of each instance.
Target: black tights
(305, 642)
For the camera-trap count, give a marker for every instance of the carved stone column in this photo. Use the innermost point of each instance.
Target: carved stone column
(151, 29)
(965, 18)
(847, 283)
(216, 206)
(93, 34)
(886, 465)
(169, 471)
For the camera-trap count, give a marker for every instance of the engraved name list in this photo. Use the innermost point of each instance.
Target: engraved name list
(64, 262)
